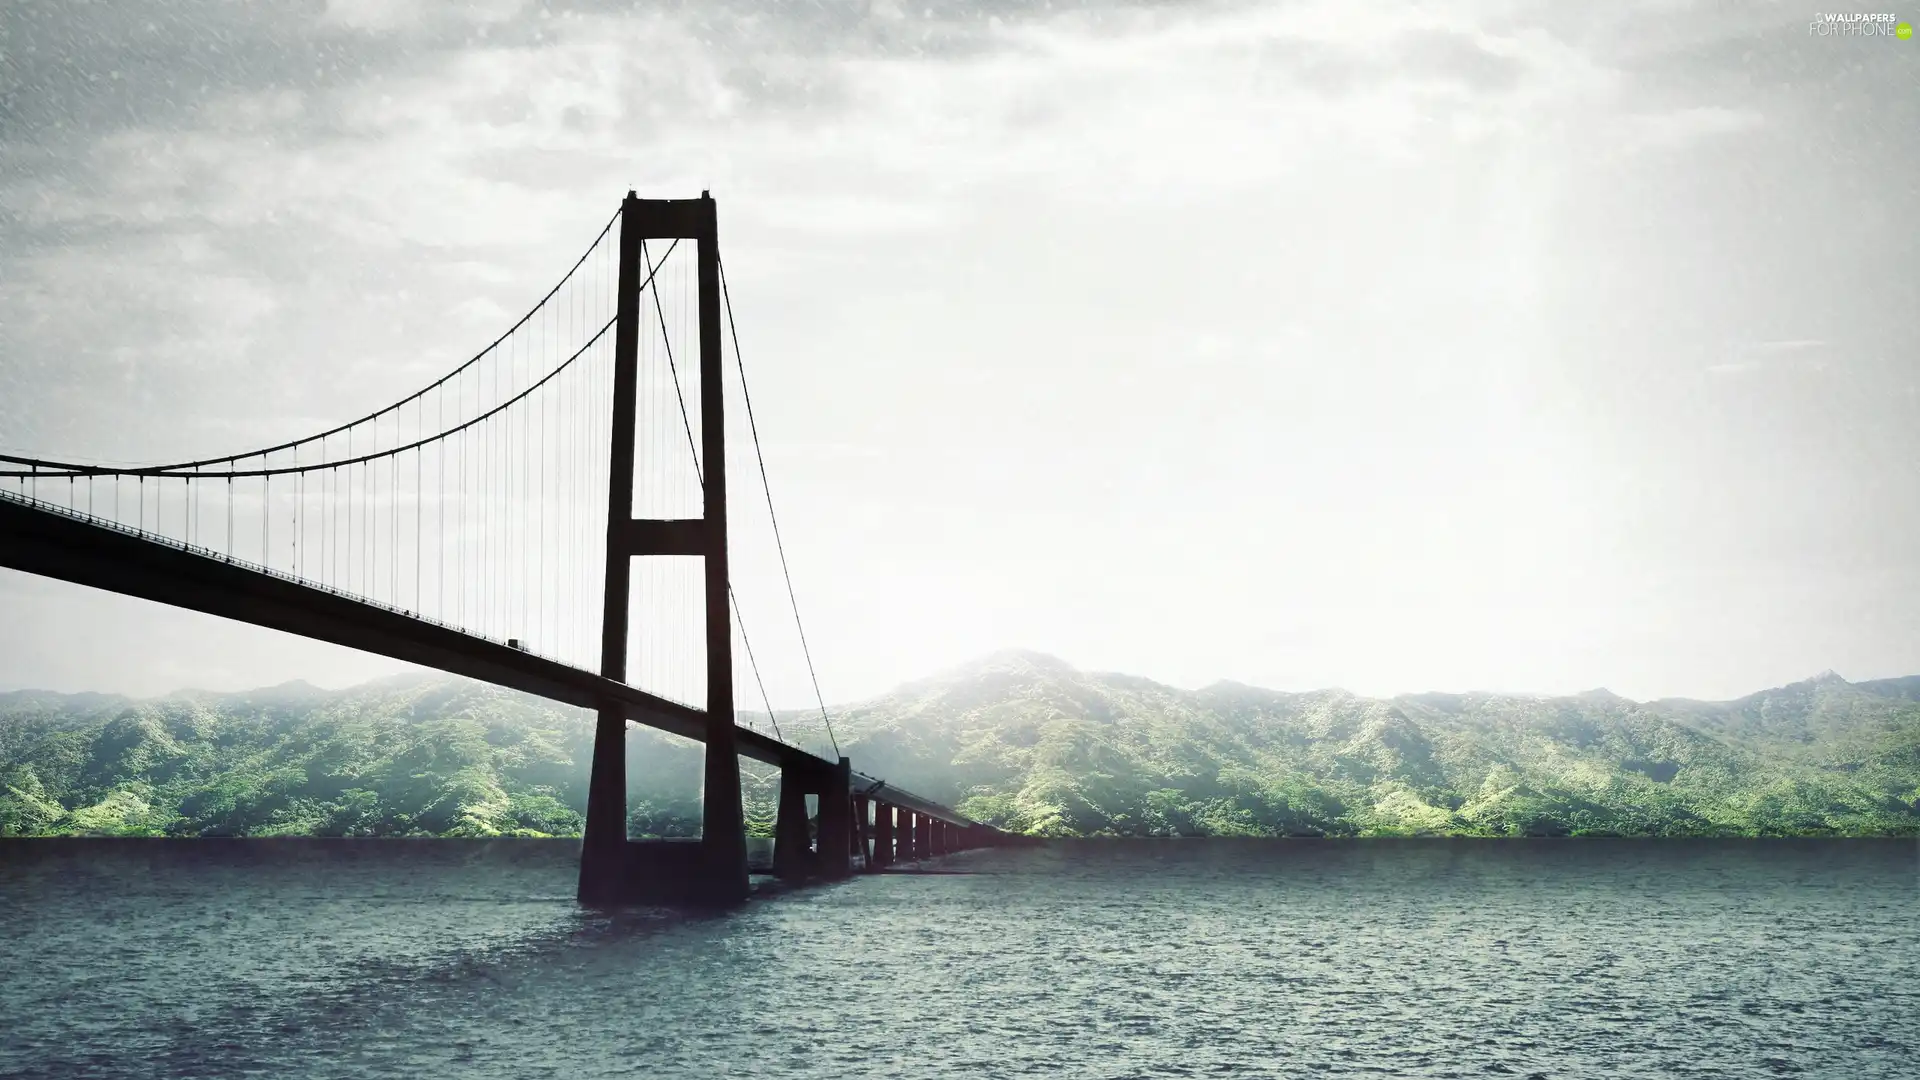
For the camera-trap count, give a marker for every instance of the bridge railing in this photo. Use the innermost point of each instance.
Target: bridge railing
(222, 557)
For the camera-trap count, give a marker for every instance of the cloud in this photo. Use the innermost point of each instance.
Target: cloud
(1685, 126)
(402, 142)
(1783, 354)
(388, 16)
(1786, 346)
(1218, 257)
(1463, 58)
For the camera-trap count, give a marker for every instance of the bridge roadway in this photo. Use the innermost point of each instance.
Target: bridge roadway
(54, 542)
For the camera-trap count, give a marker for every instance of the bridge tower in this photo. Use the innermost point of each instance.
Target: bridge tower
(612, 868)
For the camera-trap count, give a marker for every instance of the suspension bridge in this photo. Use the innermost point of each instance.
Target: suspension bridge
(523, 520)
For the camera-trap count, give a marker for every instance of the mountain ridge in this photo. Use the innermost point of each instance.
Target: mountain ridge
(1907, 686)
(1017, 737)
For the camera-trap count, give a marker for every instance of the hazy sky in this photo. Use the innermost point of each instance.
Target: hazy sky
(1499, 346)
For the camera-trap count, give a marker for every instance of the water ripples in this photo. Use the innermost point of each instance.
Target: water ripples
(1116, 959)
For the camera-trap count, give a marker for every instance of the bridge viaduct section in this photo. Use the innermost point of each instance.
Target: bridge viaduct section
(861, 823)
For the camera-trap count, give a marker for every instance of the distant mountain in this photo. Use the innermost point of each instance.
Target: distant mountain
(1028, 742)
(1020, 739)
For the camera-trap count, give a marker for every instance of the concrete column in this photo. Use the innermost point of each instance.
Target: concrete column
(792, 850)
(904, 835)
(836, 822)
(923, 837)
(723, 819)
(882, 835)
(862, 831)
(603, 849)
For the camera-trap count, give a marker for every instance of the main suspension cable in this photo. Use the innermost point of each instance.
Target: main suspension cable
(727, 303)
(477, 357)
(698, 474)
(41, 466)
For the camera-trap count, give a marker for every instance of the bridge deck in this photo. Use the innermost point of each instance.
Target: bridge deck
(54, 542)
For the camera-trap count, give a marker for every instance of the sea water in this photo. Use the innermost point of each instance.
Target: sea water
(1289, 958)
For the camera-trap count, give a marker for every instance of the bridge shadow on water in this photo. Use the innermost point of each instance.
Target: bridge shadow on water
(298, 939)
(236, 881)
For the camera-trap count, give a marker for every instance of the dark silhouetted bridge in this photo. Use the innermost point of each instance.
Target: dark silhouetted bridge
(486, 526)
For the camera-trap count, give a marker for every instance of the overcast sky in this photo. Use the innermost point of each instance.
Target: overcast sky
(1491, 346)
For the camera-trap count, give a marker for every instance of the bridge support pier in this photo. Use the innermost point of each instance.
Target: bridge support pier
(603, 846)
(922, 837)
(863, 832)
(792, 846)
(882, 836)
(835, 849)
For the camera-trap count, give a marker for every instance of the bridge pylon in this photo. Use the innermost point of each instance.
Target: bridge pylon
(614, 869)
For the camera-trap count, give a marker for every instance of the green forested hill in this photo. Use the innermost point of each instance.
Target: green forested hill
(1019, 739)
